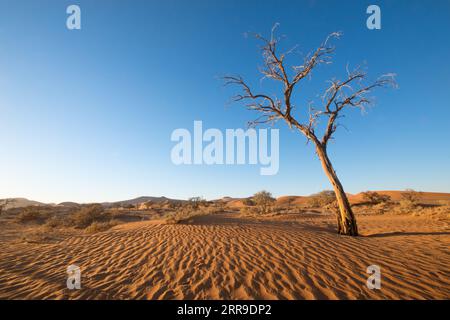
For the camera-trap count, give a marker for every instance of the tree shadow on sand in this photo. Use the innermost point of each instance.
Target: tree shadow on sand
(399, 233)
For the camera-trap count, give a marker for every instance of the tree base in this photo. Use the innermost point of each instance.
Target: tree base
(347, 228)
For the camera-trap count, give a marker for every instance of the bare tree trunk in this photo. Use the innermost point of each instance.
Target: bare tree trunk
(345, 217)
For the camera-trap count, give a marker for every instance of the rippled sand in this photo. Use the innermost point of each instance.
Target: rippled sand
(229, 257)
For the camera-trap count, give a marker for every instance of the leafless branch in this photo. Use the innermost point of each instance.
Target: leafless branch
(351, 92)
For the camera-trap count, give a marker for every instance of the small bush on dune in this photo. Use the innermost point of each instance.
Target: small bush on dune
(249, 211)
(292, 209)
(29, 214)
(187, 212)
(147, 205)
(93, 218)
(34, 213)
(89, 214)
(169, 205)
(220, 206)
(54, 222)
(196, 202)
(375, 198)
(248, 202)
(263, 201)
(322, 199)
(184, 214)
(410, 198)
(101, 226)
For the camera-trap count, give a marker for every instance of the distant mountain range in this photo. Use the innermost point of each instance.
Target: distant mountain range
(23, 202)
(20, 202)
(138, 200)
(427, 197)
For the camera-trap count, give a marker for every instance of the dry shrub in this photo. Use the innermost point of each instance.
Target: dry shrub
(89, 214)
(382, 207)
(373, 197)
(54, 222)
(171, 205)
(186, 213)
(263, 201)
(58, 221)
(292, 209)
(321, 199)
(248, 202)
(268, 212)
(444, 202)
(196, 202)
(34, 213)
(219, 205)
(28, 215)
(101, 226)
(36, 236)
(410, 198)
(439, 212)
(147, 205)
(249, 211)
(182, 215)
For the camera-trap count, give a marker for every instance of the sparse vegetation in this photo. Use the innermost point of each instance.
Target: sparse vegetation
(97, 226)
(322, 199)
(263, 201)
(29, 214)
(147, 205)
(248, 202)
(410, 198)
(196, 202)
(194, 207)
(373, 197)
(51, 218)
(186, 214)
(34, 214)
(89, 214)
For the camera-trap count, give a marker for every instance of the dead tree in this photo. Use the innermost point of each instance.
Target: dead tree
(350, 92)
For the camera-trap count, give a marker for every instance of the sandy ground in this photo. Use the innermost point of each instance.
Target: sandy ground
(227, 257)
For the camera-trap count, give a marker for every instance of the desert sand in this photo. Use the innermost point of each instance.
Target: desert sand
(227, 256)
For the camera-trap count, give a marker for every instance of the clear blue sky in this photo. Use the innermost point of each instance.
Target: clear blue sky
(86, 115)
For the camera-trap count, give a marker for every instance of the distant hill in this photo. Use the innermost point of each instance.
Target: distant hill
(69, 204)
(138, 201)
(21, 202)
(425, 197)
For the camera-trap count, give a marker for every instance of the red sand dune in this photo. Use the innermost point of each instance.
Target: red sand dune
(224, 256)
